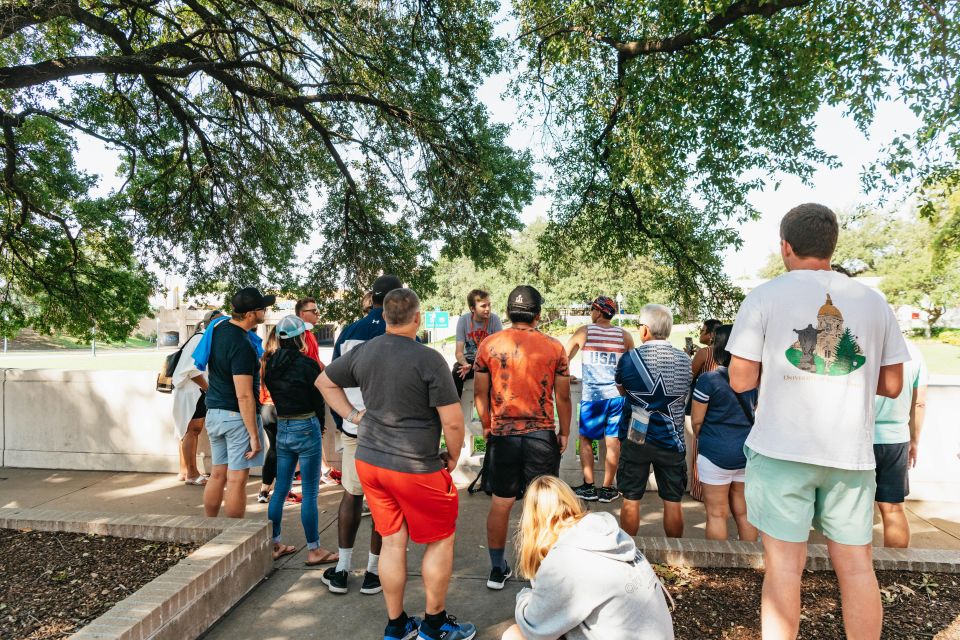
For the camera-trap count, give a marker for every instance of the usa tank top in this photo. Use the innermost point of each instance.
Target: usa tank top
(601, 352)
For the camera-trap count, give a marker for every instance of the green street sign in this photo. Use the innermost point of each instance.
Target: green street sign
(437, 319)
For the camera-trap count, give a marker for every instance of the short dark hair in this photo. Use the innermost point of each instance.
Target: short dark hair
(400, 306)
(811, 230)
(711, 325)
(720, 337)
(302, 302)
(524, 317)
(384, 285)
(476, 294)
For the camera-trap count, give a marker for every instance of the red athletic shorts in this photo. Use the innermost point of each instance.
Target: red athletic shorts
(427, 502)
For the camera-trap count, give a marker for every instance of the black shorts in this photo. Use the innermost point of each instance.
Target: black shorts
(201, 411)
(893, 483)
(669, 468)
(513, 461)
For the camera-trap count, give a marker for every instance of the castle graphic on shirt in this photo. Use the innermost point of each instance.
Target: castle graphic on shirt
(829, 349)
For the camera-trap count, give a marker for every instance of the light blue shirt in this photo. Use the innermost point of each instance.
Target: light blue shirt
(891, 423)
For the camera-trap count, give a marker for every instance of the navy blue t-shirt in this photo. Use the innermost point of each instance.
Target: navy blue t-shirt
(231, 354)
(725, 426)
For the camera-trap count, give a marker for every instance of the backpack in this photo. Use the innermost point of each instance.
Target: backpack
(165, 377)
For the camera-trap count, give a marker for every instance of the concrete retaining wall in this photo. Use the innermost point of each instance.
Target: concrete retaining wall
(116, 421)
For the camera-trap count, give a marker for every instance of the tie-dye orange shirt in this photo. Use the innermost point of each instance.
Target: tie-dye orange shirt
(523, 364)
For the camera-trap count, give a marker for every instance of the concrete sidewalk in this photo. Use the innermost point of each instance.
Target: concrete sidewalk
(293, 603)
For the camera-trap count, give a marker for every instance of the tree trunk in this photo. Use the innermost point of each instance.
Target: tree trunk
(933, 315)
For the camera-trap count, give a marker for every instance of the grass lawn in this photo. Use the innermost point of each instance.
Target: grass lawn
(942, 359)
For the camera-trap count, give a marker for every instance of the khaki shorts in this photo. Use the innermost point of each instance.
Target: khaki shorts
(349, 479)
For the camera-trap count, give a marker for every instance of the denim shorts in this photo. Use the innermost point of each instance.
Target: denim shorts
(229, 440)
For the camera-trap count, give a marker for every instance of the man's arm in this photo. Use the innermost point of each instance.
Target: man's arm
(451, 420)
(576, 342)
(248, 411)
(918, 409)
(890, 382)
(561, 390)
(744, 374)
(335, 397)
(481, 399)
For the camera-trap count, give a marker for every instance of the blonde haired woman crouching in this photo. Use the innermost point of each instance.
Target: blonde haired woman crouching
(588, 580)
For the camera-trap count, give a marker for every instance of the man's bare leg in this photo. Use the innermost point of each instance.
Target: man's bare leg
(859, 592)
(235, 494)
(586, 459)
(188, 449)
(630, 516)
(896, 528)
(498, 521)
(213, 491)
(611, 461)
(393, 571)
(780, 600)
(673, 519)
(513, 633)
(436, 568)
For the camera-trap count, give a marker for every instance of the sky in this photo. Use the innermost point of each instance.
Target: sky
(839, 188)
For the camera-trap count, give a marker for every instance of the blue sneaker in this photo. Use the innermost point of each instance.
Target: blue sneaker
(407, 632)
(450, 630)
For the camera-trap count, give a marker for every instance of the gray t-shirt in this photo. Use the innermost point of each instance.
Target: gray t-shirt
(402, 382)
(472, 333)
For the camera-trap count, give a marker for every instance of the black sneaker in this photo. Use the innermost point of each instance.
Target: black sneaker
(498, 577)
(371, 584)
(586, 492)
(449, 630)
(607, 494)
(263, 497)
(336, 581)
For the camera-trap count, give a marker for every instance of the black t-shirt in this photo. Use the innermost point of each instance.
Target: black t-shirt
(231, 354)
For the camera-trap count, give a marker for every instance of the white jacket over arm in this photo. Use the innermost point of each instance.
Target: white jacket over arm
(186, 392)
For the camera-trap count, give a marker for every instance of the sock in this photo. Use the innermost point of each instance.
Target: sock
(346, 557)
(398, 621)
(497, 560)
(373, 564)
(436, 620)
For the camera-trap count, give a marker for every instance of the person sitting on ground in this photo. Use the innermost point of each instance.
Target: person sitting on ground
(601, 406)
(190, 406)
(721, 421)
(472, 329)
(290, 375)
(897, 424)
(409, 400)
(519, 371)
(655, 377)
(589, 580)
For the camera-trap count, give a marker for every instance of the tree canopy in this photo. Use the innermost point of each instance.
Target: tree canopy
(578, 279)
(667, 114)
(244, 128)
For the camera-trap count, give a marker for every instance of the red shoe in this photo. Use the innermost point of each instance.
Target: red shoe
(335, 474)
(295, 498)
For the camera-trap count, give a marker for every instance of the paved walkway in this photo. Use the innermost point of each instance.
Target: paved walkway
(293, 604)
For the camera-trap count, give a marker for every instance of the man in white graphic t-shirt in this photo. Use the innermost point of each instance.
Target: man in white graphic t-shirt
(825, 344)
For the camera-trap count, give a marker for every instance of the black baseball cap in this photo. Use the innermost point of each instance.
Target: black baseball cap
(524, 298)
(384, 285)
(250, 298)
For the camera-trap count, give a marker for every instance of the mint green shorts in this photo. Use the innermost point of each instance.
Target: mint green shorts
(784, 498)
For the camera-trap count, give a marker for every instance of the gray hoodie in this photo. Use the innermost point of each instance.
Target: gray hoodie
(594, 585)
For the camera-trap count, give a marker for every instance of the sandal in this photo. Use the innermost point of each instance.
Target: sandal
(199, 481)
(328, 558)
(294, 498)
(280, 550)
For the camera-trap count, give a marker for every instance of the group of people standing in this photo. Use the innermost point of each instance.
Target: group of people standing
(784, 413)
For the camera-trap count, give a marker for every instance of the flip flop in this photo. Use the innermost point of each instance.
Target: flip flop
(283, 550)
(330, 558)
(199, 481)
